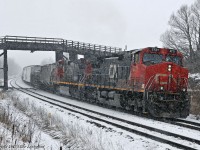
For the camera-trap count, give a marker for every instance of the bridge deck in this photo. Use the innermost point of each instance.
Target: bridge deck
(55, 44)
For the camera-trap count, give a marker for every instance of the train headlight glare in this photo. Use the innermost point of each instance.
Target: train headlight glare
(184, 89)
(169, 67)
(161, 88)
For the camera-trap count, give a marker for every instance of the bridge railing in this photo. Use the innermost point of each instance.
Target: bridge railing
(69, 43)
(1, 40)
(32, 39)
(94, 47)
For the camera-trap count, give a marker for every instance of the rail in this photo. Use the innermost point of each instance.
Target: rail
(80, 110)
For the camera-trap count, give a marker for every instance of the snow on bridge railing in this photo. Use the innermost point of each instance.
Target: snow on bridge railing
(69, 43)
(95, 47)
(1, 39)
(25, 39)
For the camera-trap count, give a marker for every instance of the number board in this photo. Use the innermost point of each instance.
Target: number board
(155, 49)
(173, 51)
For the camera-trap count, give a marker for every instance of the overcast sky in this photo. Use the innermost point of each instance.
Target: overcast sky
(135, 23)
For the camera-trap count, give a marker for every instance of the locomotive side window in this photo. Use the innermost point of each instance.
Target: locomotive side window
(136, 57)
(152, 58)
(112, 71)
(174, 59)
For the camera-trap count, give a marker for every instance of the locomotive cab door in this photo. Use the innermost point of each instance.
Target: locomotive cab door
(136, 58)
(136, 72)
(134, 62)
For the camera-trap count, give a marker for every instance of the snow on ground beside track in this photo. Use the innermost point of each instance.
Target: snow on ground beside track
(145, 121)
(195, 76)
(114, 136)
(40, 139)
(110, 138)
(193, 118)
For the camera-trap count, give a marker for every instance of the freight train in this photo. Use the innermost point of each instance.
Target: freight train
(149, 80)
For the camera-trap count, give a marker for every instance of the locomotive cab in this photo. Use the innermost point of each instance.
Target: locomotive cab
(160, 75)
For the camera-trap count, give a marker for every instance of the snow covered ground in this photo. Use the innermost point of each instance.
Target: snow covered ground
(195, 76)
(53, 127)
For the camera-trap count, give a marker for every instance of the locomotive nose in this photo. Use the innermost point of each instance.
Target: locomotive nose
(165, 77)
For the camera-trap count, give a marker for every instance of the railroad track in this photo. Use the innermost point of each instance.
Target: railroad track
(184, 123)
(116, 122)
(173, 121)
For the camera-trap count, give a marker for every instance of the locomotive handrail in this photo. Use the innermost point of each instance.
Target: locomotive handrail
(186, 81)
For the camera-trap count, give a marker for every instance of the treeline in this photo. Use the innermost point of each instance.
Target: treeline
(13, 67)
(184, 34)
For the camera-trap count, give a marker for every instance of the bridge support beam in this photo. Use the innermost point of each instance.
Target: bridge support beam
(72, 56)
(59, 55)
(5, 70)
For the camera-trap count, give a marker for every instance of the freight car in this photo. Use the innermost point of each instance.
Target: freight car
(30, 75)
(149, 80)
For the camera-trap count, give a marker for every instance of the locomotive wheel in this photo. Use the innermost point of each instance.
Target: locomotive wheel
(81, 96)
(185, 109)
(123, 101)
(94, 96)
(72, 91)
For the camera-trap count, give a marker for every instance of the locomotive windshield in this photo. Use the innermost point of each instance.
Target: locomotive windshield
(152, 58)
(174, 59)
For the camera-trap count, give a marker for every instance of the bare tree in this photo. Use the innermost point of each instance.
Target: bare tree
(184, 34)
(195, 8)
(180, 34)
(13, 67)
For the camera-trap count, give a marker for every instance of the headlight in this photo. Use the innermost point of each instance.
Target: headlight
(169, 67)
(161, 88)
(184, 89)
